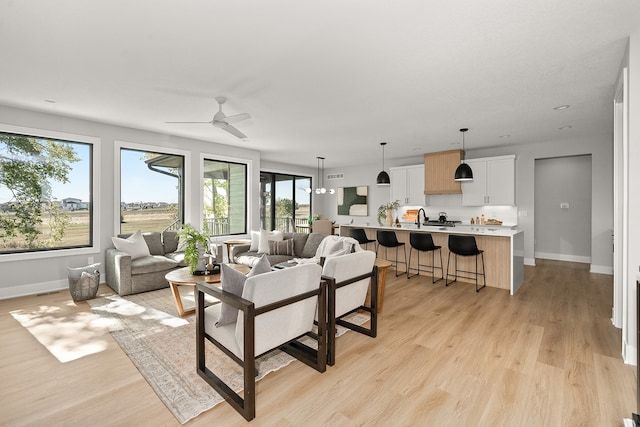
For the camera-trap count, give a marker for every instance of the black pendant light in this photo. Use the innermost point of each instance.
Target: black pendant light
(463, 172)
(383, 177)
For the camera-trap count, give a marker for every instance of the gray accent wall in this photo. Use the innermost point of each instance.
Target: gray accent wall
(563, 208)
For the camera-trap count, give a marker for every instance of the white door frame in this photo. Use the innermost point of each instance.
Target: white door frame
(620, 204)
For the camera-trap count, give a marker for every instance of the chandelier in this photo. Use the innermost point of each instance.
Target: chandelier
(321, 189)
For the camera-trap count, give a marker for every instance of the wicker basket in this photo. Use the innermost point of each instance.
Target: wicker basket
(85, 287)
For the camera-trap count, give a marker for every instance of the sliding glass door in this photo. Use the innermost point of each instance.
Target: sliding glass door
(284, 201)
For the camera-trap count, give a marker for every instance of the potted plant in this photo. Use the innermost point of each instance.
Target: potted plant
(195, 245)
(386, 211)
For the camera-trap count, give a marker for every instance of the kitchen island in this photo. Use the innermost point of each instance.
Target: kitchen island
(503, 250)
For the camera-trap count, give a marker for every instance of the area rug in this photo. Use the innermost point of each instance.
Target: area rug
(162, 346)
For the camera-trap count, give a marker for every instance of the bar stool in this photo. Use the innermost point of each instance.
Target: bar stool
(465, 246)
(388, 239)
(423, 242)
(361, 236)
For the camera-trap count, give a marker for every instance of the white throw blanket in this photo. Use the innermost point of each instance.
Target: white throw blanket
(332, 246)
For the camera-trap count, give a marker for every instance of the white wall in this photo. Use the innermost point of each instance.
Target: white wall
(360, 175)
(42, 274)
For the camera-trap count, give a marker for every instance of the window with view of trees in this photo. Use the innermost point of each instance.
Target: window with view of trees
(151, 191)
(284, 202)
(45, 193)
(224, 197)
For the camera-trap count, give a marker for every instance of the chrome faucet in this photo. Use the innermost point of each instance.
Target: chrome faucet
(424, 215)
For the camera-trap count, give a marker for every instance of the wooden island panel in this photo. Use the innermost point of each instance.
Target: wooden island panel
(497, 254)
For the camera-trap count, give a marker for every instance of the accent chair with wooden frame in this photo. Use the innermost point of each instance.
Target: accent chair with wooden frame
(350, 277)
(275, 310)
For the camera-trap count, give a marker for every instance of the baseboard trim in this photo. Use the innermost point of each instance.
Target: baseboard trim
(530, 261)
(629, 354)
(35, 288)
(601, 269)
(563, 257)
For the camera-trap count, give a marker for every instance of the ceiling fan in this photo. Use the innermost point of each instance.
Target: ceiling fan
(224, 122)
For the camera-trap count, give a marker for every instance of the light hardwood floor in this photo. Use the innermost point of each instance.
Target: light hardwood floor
(548, 356)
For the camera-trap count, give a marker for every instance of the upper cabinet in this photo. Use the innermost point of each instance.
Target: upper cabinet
(439, 169)
(407, 185)
(493, 182)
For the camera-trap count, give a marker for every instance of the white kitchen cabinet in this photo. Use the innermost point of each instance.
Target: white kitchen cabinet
(407, 185)
(493, 182)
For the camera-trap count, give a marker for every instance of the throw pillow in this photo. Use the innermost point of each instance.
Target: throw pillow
(255, 240)
(233, 281)
(265, 237)
(311, 245)
(134, 245)
(282, 247)
(182, 244)
(76, 273)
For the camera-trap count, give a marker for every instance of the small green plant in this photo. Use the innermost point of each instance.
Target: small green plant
(315, 217)
(193, 240)
(382, 210)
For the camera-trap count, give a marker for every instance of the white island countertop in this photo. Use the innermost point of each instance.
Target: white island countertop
(487, 230)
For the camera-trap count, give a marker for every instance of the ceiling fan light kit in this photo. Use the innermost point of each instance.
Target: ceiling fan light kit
(463, 172)
(224, 122)
(383, 176)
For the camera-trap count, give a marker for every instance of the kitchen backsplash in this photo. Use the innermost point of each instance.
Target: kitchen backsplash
(452, 205)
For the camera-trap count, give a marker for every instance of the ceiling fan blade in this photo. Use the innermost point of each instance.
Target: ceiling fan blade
(237, 118)
(235, 132)
(190, 122)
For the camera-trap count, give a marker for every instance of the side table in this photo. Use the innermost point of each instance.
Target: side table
(182, 276)
(382, 265)
(232, 243)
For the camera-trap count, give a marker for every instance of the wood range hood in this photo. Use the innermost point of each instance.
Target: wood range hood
(439, 169)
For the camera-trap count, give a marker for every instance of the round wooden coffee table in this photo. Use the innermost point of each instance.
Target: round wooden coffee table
(182, 276)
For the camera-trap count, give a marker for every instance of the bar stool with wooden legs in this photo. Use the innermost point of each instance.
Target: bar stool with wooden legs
(388, 239)
(465, 246)
(423, 242)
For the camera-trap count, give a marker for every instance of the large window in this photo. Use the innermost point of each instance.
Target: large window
(151, 191)
(224, 197)
(46, 200)
(284, 202)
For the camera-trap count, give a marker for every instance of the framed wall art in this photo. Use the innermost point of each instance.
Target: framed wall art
(353, 201)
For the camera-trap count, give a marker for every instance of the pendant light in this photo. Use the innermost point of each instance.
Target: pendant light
(383, 176)
(463, 172)
(321, 189)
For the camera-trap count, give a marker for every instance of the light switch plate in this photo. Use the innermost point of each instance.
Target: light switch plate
(564, 205)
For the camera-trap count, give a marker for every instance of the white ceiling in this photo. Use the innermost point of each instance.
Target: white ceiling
(324, 78)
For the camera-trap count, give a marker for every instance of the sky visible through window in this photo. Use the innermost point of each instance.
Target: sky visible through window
(78, 185)
(140, 184)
